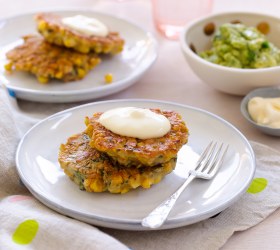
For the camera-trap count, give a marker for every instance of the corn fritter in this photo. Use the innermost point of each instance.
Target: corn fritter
(47, 61)
(54, 31)
(129, 151)
(94, 171)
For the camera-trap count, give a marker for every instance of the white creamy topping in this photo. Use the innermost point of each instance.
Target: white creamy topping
(86, 25)
(265, 111)
(135, 122)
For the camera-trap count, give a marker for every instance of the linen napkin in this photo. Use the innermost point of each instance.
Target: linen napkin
(27, 224)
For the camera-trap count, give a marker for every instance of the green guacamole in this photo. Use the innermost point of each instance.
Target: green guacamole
(238, 46)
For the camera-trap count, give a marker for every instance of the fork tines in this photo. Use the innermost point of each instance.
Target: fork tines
(211, 160)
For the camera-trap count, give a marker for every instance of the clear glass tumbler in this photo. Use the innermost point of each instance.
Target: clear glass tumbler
(170, 16)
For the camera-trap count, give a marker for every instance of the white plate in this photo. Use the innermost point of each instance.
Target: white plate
(140, 51)
(39, 170)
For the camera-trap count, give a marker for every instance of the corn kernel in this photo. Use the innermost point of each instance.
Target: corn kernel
(9, 66)
(81, 72)
(69, 42)
(107, 48)
(135, 181)
(117, 179)
(157, 179)
(96, 186)
(98, 48)
(108, 78)
(146, 183)
(59, 75)
(167, 168)
(78, 61)
(124, 190)
(87, 183)
(42, 25)
(42, 79)
(83, 49)
(115, 190)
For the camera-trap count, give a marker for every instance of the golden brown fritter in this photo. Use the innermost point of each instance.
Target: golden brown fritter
(54, 31)
(133, 151)
(47, 61)
(95, 172)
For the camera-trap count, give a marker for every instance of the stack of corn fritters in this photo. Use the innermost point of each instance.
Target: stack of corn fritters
(60, 53)
(99, 160)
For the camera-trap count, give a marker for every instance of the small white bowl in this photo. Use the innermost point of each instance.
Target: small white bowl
(226, 79)
(269, 92)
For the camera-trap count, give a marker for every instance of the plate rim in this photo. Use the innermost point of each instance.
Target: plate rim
(120, 84)
(135, 224)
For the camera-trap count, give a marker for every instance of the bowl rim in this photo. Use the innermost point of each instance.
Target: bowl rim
(244, 106)
(186, 48)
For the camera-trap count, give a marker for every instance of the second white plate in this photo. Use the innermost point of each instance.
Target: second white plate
(39, 170)
(140, 51)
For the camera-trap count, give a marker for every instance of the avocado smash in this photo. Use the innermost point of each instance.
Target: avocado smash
(238, 46)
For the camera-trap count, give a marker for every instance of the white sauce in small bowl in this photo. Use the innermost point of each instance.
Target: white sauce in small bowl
(265, 111)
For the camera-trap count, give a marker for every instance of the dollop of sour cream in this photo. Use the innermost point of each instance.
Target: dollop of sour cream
(86, 25)
(135, 122)
(265, 111)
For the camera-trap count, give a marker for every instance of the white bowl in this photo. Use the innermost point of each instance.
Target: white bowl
(269, 92)
(226, 79)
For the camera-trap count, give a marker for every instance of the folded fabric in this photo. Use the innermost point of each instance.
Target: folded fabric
(25, 222)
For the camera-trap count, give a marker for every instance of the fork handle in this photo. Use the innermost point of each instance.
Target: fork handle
(159, 215)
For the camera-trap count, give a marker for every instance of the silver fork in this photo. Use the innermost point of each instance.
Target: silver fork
(207, 166)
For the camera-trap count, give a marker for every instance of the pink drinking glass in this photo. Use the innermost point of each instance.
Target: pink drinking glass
(170, 16)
